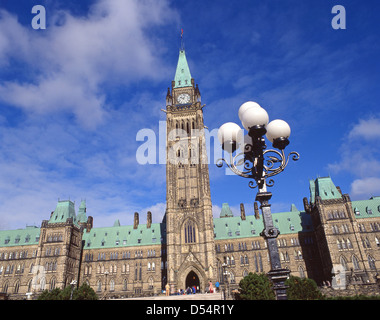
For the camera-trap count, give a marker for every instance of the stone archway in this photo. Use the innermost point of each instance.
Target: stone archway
(191, 274)
(192, 280)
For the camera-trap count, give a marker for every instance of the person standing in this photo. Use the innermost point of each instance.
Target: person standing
(210, 287)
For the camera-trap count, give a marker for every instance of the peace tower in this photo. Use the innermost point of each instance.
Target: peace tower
(189, 222)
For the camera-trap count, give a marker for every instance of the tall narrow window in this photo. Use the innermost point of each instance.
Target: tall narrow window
(343, 262)
(125, 283)
(260, 263)
(355, 262)
(371, 262)
(190, 232)
(112, 285)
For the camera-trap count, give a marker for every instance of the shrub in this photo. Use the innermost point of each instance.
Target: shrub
(256, 287)
(302, 289)
(84, 292)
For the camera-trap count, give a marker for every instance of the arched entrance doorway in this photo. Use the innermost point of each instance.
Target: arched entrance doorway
(192, 280)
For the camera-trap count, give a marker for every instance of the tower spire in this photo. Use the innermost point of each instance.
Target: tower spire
(182, 76)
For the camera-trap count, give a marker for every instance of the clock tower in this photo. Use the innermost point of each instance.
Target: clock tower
(191, 259)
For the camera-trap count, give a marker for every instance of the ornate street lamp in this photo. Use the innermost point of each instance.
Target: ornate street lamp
(259, 164)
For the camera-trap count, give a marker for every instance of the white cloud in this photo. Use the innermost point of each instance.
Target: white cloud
(366, 129)
(68, 70)
(358, 155)
(43, 161)
(69, 63)
(363, 188)
(360, 158)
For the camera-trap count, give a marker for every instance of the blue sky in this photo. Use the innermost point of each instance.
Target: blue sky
(74, 96)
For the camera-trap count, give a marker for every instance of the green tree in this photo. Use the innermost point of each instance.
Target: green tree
(302, 289)
(85, 292)
(65, 293)
(256, 287)
(50, 295)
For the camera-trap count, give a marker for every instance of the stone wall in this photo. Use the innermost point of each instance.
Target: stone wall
(372, 289)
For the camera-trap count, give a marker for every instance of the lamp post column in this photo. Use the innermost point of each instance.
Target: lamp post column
(224, 267)
(270, 233)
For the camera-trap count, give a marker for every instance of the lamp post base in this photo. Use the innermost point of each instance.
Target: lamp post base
(278, 277)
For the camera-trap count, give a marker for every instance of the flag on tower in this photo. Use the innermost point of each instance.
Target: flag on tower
(181, 33)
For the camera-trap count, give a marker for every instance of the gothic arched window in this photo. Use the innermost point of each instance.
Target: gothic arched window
(355, 263)
(371, 262)
(343, 262)
(189, 229)
(112, 285)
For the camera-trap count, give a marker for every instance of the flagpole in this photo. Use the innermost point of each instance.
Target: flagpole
(182, 44)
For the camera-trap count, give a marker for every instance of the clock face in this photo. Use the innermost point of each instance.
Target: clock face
(183, 98)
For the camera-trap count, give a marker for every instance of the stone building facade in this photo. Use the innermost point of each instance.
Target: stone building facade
(333, 240)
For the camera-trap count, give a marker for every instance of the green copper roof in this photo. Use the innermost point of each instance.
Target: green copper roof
(124, 236)
(235, 227)
(182, 74)
(287, 222)
(325, 188)
(292, 222)
(20, 237)
(366, 208)
(64, 210)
